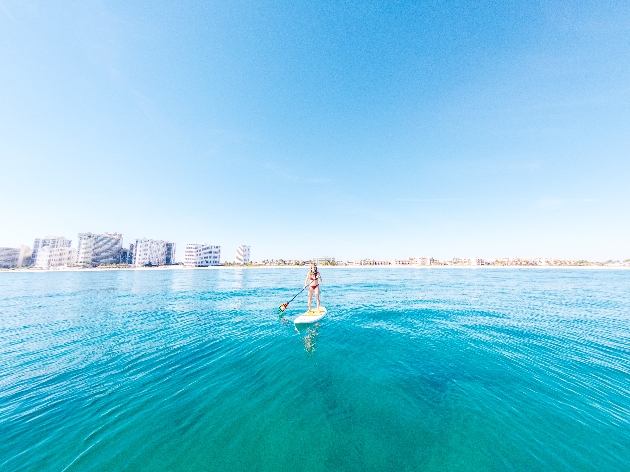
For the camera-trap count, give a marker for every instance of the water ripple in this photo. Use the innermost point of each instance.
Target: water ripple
(411, 369)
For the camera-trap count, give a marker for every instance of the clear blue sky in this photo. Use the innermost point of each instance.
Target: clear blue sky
(351, 129)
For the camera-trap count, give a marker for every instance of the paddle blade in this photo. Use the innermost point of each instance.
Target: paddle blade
(281, 309)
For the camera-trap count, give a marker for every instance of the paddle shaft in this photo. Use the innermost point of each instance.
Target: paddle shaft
(299, 293)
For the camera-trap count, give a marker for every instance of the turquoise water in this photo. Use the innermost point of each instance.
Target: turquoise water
(411, 370)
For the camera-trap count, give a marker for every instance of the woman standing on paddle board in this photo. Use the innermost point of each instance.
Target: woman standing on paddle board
(313, 280)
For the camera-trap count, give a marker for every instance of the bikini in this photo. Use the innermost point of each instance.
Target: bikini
(313, 279)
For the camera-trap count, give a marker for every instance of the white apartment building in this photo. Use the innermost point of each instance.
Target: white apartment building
(372, 262)
(48, 241)
(97, 249)
(202, 255)
(149, 252)
(400, 262)
(242, 254)
(49, 256)
(9, 257)
(323, 260)
(422, 261)
(15, 256)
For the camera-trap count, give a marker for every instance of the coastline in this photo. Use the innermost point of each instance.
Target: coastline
(258, 267)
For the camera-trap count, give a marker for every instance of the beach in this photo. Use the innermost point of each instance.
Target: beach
(305, 268)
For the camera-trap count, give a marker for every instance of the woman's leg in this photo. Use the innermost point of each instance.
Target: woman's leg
(317, 297)
(310, 298)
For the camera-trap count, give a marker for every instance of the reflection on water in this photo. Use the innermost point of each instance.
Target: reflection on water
(310, 340)
(241, 277)
(310, 332)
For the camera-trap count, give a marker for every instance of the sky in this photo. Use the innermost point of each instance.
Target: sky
(333, 128)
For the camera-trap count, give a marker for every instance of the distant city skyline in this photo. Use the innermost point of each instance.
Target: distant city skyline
(368, 129)
(94, 250)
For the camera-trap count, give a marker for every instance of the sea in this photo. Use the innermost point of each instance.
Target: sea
(414, 369)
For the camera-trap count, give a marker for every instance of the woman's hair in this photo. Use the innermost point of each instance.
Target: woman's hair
(314, 268)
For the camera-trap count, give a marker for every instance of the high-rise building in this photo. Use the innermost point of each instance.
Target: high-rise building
(124, 255)
(15, 256)
(49, 256)
(202, 255)
(152, 252)
(98, 249)
(132, 250)
(170, 253)
(24, 257)
(242, 254)
(9, 257)
(48, 241)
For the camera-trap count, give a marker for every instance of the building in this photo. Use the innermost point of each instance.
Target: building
(459, 261)
(323, 260)
(422, 261)
(9, 257)
(48, 241)
(15, 256)
(98, 249)
(371, 262)
(130, 253)
(149, 252)
(170, 253)
(125, 254)
(242, 254)
(202, 255)
(24, 258)
(49, 256)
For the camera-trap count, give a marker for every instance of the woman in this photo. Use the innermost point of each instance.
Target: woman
(313, 280)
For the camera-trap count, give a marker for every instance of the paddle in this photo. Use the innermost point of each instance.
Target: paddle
(284, 306)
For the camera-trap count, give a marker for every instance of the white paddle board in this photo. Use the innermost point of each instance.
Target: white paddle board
(311, 316)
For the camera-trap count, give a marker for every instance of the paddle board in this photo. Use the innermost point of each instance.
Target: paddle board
(311, 316)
